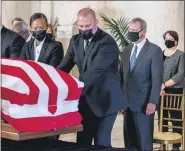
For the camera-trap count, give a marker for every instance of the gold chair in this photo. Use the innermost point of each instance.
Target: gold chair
(168, 103)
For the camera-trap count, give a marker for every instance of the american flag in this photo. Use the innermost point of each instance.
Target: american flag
(38, 97)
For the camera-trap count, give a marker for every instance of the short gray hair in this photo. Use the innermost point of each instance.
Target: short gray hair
(23, 25)
(142, 22)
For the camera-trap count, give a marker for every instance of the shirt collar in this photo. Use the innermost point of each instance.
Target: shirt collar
(40, 45)
(141, 44)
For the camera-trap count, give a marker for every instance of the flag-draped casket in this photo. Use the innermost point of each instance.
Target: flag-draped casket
(37, 97)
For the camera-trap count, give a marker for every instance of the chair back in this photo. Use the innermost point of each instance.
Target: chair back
(172, 102)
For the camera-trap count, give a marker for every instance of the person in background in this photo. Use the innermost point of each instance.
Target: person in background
(41, 48)
(141, 72)
(173, 77)
(50, 32)
(11, 43)
(22, 29)
(96, 54)
(16, 20)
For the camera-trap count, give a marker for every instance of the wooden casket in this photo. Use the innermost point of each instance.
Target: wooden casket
(8, 132)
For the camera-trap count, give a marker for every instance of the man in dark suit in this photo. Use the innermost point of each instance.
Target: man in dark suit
(141, 72)
(96, 55)
(11, 43)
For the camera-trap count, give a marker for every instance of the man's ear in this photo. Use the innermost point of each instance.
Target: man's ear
(144, 31)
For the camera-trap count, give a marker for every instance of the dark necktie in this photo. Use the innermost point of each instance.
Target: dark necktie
(133, 58)
(86, 46)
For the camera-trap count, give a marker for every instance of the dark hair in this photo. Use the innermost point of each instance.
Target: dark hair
(172, 33)
(17, 19)
(38, 16)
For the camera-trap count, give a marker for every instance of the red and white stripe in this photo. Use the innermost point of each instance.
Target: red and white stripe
(38, 97)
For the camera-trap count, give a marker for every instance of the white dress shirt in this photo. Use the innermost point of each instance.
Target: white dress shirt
(139, 47)
(37, 49)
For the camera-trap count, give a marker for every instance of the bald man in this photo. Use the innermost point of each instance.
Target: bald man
(96, 55)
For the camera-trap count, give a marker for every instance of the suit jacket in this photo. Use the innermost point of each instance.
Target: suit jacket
(51, 53)
(142, 84)
(98, 70)
(11, 43)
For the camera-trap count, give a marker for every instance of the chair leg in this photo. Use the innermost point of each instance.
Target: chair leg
(182, 143)
(161, 147)
(166, 147)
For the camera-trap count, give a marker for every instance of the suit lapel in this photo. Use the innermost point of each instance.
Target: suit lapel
(31, 49)
(43, 50)
(3, 33)
(127, 58)
(80, 48)
(141, 54)
(89, 50)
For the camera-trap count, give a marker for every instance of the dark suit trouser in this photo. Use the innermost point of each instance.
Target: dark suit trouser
(97, 128)
(173, 114)
(138, 130)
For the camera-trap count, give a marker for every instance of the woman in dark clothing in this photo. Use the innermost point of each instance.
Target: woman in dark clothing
(41, 48)
(173, 78)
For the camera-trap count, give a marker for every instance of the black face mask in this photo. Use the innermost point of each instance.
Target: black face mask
(39, 34)
(49, 35)
(87, 34)
(169, 43)
(134, 36)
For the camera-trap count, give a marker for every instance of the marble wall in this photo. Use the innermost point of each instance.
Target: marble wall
(159, 15)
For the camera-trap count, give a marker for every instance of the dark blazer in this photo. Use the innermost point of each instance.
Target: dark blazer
(51, 53)
(11, 43)
(143, 84)
(98, 70)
